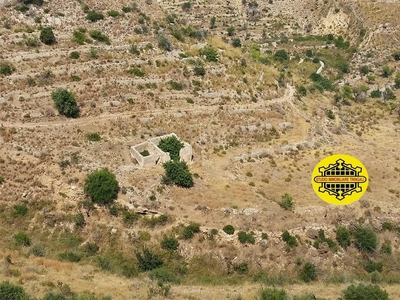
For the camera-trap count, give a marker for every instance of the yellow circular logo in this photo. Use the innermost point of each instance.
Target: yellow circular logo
(340, 179)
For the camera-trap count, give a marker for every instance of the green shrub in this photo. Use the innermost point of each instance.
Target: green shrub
(290, 240)
(229, 229)
(287, 202)
(244, 238)
(98, 36)
(210, 53)
(6, 69)
(47, 36)
(171, 145)
(113, 13)
(70, 256)
(343, 236)
(241, 268)
(321, 82)
(177, 172)
(308, 272)
(101, 186)
(51, 296)
(186, 6)
(90, 249)
(376, 94)
(176, 85)
(145, 152)
(189, 231)
(365, 239)
(93, 137)
(147, 260)
(281, 55)
(169, 243)
(386, 248)
(199, 71)
(37, 250)
(22, 239)
(74, 55)
(136, 71)
(79, 220)
(164, 43)
(31, 41)
(20, 210)
(134, 50)
(79, 36)
(364, 292)
(65, 103)
(372, 266)
(301, 91)
(163, 275)
(236, 43)
(94, 16)
(159, 220)
(34, 2)
(272, 294)
(364, 70)
(10, 291)
(322, 239)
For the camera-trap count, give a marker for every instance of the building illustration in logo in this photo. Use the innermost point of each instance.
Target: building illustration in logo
(340, 179)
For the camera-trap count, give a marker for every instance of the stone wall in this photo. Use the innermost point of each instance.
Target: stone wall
(156, 155)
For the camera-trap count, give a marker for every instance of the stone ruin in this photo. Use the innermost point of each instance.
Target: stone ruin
(156, 155)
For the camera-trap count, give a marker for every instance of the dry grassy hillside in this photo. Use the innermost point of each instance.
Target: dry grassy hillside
(244, 92)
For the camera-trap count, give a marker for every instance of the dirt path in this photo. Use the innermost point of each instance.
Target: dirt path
(288, 96)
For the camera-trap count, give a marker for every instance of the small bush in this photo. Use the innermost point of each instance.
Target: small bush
(47, 36)
(70, 256)
(20, 210)
(236, 43)
(94, 16)
(101, 186)
(290, 240)
(98, 36)
(364, 292)
(113, 13)
(229, 229)
(287, 202)
(272, 294)
(241, 268)
(176, 85)
(6, 69)
(372, 266)
(136, 71)
(169, 243)
(93, 137)
(246, 238)
(376, 94)
(31, 42)
(199, 71)
(147, 260)
(22, 239)
(65, 103)
(163, 275)
(189, 231)
(281, 55)
(365, 239)
(91, 249)
(308, 272)
(386, 248)
(134, 50)
(164, 43)
(74, 55)
(145, 152)
(343, 236)
(79, 220)
(210, 53)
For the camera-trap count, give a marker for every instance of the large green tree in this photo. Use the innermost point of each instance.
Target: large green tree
(101, 186)
(65, 103)
(178, 173)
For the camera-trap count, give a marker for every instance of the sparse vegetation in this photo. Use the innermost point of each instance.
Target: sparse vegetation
(290, 240)
(99, 36)
(94, 16)
(308, 272)
(287, 202)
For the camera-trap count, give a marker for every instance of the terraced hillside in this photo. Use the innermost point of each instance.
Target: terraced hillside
(244, 91)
